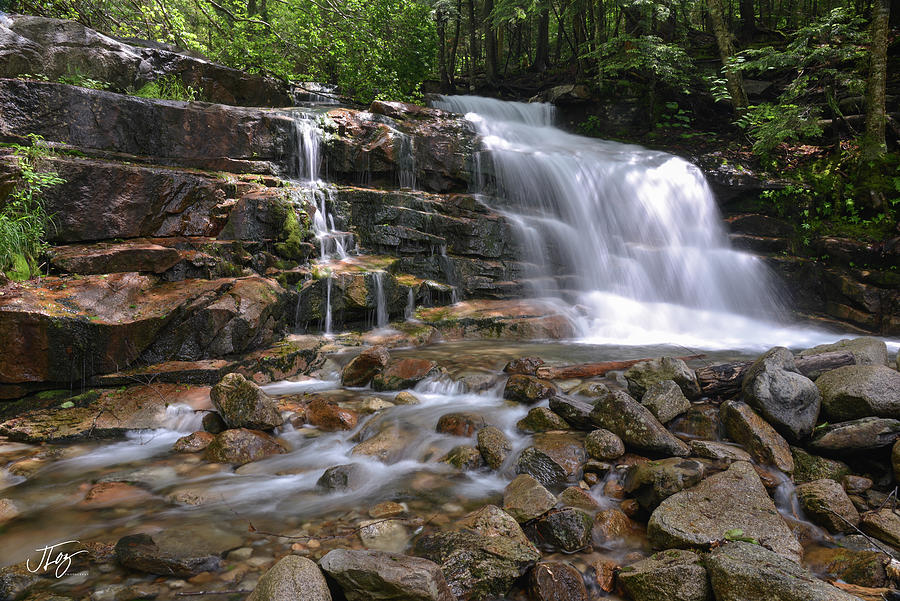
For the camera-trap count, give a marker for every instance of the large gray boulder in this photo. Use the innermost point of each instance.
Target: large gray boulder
(741, 571)
(642, 376)
(243, 404)
(292, 578)
(635, 425)
(382, 576)
(866, 350)
(866, 434)
(665, 400)
(673, 575)
(727, 502)
(855, 391)
(787, 399)
(752, 432)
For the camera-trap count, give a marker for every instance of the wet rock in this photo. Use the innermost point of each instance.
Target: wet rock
(193, 443)
(404, 373)
(525, 498)
(742, 571)
(809, 467)
(866, 350)
(863, 568)
(373, 404)
(16, 580)
(652, 481)
(856, 485)
(721, 451)
(554, 460)
(752, 432)
(240, 446)
(184, 552)
(460, 424)
(329, 416)
(895, 459)
(386, 445)
(383, 535)
(405, 397)
(341, 478)
(728, 501)
(574, 411)
(612, 528)
(567, 529)
(525, 365)
(556, 581)
(642, 376)
(826, 504)
(673, 575)
(882, 524)
(382, 576)
(635, 425)
(541, 419)
(665, 400)
(292, 578)
(787, 399)
(700, 421)
(864, 434)
(527, 389)
(150, 477)
(243, 404)
(113, 494)
(602, 445)
(855, 391)
(213, 423)
(476, 383)
(494, 446)
(464, 457)
(8, 510)
(477, 566)
(365, 366)
(387, 509)
(579, 499)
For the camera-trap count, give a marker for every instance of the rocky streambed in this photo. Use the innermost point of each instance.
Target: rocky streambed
(455, 471)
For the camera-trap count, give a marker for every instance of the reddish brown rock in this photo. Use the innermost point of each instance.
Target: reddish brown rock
(110, 494)
(404, 373)
(365, 366)
(460, 424)
(114, 258)
(556, 581)
(194, 442)
(611, 526)
(329, 416)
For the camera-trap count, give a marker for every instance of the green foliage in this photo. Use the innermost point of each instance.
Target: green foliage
(168, 87)
(75, 77)
(23, 220)
(770, 125)
(647, 58)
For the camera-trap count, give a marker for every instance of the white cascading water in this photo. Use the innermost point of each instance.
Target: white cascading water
(630, 238)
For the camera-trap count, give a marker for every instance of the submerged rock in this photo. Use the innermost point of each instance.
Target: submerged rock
(856, 391)
(464, 457)
(732, 501)
(292, 578)
(477, 566)
(240, 446)
(642, 376)
(665, 400)
(672, 575)
(243, 404)
(787, 399)
(460, 424)
(183, 552)
(742, 571)
(365, 366)
(635, 425)
(383, 576)
(404, 373)
(340, 478)
(748, 429)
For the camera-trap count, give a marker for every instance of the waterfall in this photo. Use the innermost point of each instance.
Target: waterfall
(327, 327)
(628, 240)
(309, 143)
(381, 313)
(410, 312)
(406, 161)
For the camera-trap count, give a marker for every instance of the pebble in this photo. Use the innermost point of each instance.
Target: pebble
(387, 509)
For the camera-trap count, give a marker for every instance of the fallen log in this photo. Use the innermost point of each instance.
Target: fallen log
(589, 370)
(724, 380)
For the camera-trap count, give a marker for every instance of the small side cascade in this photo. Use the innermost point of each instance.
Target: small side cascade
(449, 274)
(406, 161)
(381, 312)
(309, 144)
(327, 325)
(333, 242)
(409, 312)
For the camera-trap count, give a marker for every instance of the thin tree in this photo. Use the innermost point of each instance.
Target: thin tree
(733, 80)
(873, 141)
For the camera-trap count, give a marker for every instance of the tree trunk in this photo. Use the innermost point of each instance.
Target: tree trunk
(442, 52)
(733, 80)
(873, 142)
(542, 52)
(473, 49)
(455, 47)
(748, 20)
(590, 370)
(492, 59)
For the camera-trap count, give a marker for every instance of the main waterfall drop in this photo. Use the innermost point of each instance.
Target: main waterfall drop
(629, 239)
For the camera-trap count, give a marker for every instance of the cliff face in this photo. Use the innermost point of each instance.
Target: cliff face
(183, 238)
